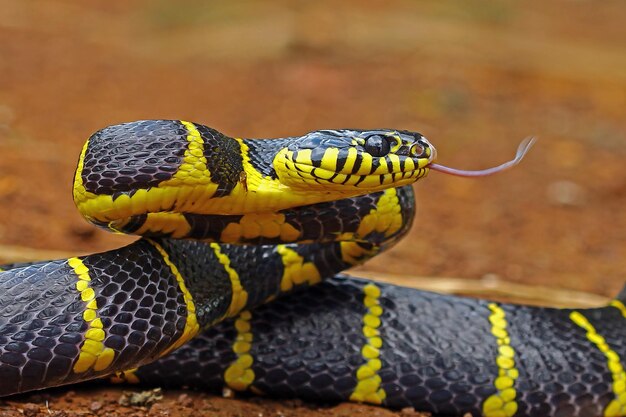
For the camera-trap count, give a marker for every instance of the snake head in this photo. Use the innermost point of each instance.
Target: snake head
(368, 160)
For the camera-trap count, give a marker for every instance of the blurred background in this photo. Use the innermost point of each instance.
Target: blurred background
(474, 80)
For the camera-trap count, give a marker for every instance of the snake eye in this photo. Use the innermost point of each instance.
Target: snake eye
(417, 149)
(377, 145)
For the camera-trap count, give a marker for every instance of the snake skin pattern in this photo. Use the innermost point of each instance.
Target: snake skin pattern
(71, 320)
(439, 353)
(304, 208)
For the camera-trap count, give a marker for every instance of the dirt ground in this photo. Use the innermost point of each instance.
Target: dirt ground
(475, 81)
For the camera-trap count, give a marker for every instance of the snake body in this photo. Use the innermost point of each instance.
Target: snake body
(267, 217)
(439, 353)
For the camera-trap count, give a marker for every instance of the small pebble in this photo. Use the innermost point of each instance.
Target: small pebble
(95, 406)
(184, 400)
(566, 193)
(140, 399)
(30, 409)
(228, 393)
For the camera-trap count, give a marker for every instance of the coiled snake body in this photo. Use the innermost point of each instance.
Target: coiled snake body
(268, 217)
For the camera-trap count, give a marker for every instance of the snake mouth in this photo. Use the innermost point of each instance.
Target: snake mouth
(378, 176)
(372, 175)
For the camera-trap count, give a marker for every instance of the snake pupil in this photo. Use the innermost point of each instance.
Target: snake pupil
(377, 145)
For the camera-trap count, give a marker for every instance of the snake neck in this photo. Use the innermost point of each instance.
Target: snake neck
(168, 166)
(204, 172)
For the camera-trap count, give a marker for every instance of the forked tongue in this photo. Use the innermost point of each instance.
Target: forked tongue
(522, 149)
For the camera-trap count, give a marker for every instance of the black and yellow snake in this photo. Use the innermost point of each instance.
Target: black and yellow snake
(265, 217)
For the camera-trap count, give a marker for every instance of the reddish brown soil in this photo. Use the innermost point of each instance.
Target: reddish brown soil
(473, 80)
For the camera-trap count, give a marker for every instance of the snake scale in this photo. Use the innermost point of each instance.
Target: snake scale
(275, 216)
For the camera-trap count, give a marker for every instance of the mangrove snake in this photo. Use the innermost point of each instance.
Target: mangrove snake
(265, 217)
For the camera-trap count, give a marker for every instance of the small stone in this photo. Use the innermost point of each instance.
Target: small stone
(140, 399)
(566, 193)
(184, 400)
(228, 393)
(31, 410)
(95, 406)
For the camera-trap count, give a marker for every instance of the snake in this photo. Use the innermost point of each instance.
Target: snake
(236, 282)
